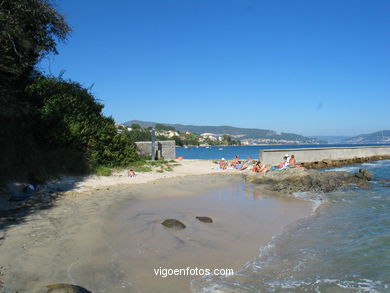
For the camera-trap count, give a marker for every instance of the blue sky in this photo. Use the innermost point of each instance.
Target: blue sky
(309, 67)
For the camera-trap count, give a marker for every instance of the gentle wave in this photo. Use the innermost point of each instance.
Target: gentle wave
(342, 246)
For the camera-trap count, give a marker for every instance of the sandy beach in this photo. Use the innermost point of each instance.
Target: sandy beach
(112, 240)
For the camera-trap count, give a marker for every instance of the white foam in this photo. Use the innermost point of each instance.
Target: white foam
(346, 169)
(316, 198)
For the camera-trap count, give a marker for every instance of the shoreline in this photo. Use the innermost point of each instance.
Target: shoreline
(119, 233)
(107, 230)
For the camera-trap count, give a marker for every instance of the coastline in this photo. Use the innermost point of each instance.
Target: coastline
(80, 238)
(105, 233)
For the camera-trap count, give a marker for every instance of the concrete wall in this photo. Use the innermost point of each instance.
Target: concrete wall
(165, 149)
(275, 157)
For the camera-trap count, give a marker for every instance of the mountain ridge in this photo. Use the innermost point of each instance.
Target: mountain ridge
(377, 137)
(236, 132)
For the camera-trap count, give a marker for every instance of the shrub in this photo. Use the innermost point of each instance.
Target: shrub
(103, 171)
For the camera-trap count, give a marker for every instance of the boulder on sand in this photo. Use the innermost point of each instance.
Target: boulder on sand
(173, 224)
(205, 219)
(66, 288)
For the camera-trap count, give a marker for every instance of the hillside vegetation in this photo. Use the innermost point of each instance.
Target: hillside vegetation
(50, 126)
(236, 132)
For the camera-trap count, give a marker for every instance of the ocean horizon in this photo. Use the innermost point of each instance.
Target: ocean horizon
(243, 152)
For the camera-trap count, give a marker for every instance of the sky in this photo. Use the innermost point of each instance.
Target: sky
(307, 67)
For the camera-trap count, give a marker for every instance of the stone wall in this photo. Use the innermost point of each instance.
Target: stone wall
(165, 149)
(274, 157)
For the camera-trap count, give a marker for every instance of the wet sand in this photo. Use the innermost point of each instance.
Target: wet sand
(112, 242)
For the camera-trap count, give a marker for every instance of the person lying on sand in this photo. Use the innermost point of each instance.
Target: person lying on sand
(239, 165)
(248, 164)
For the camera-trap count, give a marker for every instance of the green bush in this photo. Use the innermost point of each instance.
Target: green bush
(103, 171)
(71, 117)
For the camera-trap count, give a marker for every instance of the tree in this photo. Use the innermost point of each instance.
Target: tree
(227, 138)
(29, 31)
(163, 127)
(70, 117)
(178, 140)
(139, 135)
(135, 126)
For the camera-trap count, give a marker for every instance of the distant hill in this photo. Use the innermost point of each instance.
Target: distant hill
(376, 137)
(332, 138)
(252, 134)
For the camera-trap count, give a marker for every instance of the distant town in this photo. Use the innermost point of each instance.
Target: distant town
(187, 135)
(188, 138)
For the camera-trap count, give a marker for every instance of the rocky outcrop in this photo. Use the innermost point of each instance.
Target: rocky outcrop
(336, 163)
(303, 180)
(173, 224)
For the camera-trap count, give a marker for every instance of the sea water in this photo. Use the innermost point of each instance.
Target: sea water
(344, 246)
(228, 152)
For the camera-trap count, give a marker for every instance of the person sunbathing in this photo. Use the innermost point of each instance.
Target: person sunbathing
(260, 168)
(248, 164)
(239, 165)
(223, 164)
(235, 161)
(285, 164)
(293, 163)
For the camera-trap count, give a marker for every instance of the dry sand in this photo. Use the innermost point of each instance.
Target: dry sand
(111, 241)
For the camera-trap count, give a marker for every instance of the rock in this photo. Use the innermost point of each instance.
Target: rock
(302, 180)
(364, 173)
(66, 288)
(205, 219)
(326, 163)
(173, 224)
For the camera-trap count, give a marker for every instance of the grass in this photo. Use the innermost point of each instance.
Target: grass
(142, 166)
(157, 163)
(103, 171)
(142, 169)
(169, 169)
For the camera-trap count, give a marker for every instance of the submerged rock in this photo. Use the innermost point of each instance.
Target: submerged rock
(173, 224)
(385, 182)
(303, 180)
(66, 288)
(364, 173)
(205, 219)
